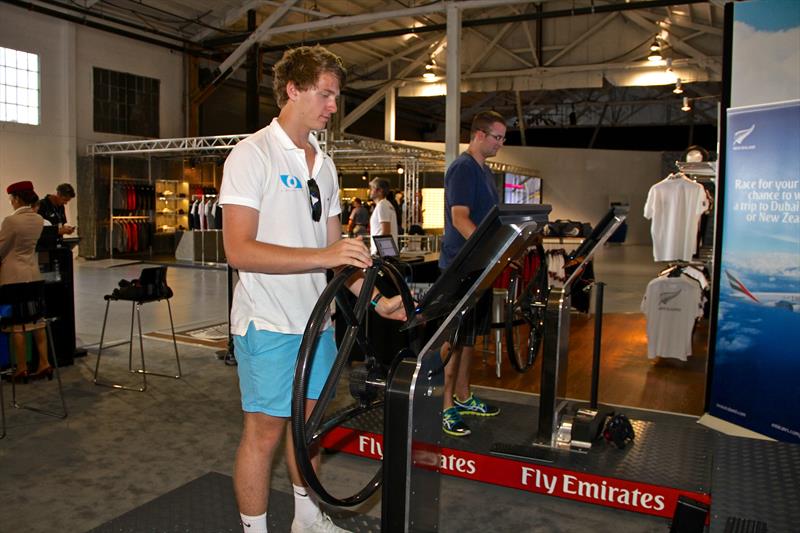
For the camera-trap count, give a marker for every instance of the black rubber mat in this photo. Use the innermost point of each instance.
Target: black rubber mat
(755, 481)
(669, 450)
(207, 505)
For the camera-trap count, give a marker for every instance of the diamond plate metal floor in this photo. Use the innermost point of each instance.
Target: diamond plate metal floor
(756, 481)
(751, 482)
(671, 451)
(207, 505)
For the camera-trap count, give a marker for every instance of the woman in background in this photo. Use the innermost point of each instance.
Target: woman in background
(19, 264)
(384, 217)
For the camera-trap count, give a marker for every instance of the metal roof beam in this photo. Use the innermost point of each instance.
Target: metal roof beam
(262, 32)
(372, 67)
(677, 43)
(224, 17)
(352, 20)
(379, 95)
(578, 41)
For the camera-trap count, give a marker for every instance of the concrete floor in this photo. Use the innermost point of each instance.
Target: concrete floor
(120, 449)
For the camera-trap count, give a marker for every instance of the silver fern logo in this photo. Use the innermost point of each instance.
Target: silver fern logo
(666, 297)
(740, 136)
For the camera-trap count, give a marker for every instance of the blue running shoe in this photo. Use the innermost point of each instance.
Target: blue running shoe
(453, 425)
(475, 406)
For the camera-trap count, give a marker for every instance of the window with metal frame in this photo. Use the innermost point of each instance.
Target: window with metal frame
(125, 103)
(19, 87)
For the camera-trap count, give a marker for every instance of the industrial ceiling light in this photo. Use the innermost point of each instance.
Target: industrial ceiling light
(364, 176)
(686, 106)
(678, 87)
(400, 169)
(655, 51)
(669, 64)
(430, 70)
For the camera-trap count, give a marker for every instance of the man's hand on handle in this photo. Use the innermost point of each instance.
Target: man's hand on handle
(346, 252)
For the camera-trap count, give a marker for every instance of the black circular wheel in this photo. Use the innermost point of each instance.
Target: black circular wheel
(525, 305)
(308, 428)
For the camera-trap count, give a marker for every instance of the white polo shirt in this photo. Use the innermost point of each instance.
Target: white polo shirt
(267, 172)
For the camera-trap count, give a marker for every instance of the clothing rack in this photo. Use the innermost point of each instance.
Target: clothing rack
(701, 168)
(145, 217)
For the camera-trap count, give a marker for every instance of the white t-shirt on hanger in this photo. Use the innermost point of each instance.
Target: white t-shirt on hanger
(671, 306)
(675, 205)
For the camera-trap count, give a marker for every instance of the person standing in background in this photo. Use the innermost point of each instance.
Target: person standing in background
(384, 217)
(51, 208)
(470, 193)
(359, 219)
(19, 265)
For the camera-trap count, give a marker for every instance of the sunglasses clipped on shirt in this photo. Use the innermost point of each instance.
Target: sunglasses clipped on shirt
(315, 199)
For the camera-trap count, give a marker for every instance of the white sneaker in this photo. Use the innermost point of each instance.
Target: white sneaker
(323, 524)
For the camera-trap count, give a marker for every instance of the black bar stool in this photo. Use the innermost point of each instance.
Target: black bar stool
(150, 287)
(28, 314)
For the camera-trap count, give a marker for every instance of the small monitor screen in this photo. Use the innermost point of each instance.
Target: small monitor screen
(385, 245)
(519, 189)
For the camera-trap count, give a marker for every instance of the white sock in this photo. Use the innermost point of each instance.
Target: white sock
(305, 509)
(254, 524)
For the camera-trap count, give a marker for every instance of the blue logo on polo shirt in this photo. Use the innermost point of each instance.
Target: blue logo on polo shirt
(291, 182)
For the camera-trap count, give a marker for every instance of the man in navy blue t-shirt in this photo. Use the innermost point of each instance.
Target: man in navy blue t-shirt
(470, 193)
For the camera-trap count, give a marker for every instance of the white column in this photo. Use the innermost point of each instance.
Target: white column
(389, 115)
(453, 103)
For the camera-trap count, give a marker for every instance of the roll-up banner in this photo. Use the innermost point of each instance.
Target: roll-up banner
(756, 371)
(756, 382)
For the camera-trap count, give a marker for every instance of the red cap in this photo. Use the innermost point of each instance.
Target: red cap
(19, 186)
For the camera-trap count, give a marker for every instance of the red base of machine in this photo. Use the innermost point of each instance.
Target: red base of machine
(533, 477)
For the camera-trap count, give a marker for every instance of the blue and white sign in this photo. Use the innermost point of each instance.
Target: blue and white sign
(756, 380)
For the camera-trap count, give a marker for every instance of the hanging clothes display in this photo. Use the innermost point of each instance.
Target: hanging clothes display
(210, 214)
(131, 236)
(128, 197)
(201, 213)
(674, 205)
(672, 304)
(556, 275)
(218, 215)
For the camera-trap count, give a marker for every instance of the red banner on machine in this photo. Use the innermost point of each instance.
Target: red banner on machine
(581, 486)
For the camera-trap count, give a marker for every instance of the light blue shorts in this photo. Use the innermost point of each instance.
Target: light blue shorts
(266, 362)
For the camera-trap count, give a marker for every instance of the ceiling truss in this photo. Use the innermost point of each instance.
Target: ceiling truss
(525, 59)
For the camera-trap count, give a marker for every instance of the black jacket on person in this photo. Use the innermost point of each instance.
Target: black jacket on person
(51, 212)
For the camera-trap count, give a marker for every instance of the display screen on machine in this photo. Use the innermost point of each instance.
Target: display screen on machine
(385, 245)
(476, 256)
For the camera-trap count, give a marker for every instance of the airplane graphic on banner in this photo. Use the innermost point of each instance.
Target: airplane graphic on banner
(783, 300)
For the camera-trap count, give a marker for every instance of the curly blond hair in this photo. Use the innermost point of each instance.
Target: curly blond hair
(303, 66)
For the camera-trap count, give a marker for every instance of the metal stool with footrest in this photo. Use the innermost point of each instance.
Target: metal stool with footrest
(27, 313)
(150, 287)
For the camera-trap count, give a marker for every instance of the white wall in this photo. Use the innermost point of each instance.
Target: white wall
(46, 154)
(95, 48)
(581, 183)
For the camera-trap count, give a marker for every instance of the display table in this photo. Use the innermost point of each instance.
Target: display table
(200, 245)
(55, 263)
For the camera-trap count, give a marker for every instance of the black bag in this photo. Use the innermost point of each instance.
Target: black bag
(618, 430)
(567, 228)
(151, 285)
